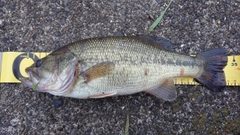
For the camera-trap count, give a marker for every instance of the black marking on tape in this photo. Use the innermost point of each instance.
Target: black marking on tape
(17, 61)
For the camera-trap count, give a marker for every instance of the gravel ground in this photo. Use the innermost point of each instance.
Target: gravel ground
(191, 26)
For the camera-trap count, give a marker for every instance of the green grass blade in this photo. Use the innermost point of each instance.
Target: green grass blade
(35, 86)
(156, 22)
(127, 125)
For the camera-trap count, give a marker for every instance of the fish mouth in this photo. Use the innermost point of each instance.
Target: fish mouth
(31, 80)
(26, 82)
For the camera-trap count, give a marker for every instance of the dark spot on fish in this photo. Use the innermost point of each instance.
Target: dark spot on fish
(193, 64)
(124, 57)
(178, 62)
(185, 63)
(182, 72)
(143, 60)
(170, 62)
(133, 61)
(155, 60)
(149, 59)
(146, 72)
(106, 58)
(162, 61)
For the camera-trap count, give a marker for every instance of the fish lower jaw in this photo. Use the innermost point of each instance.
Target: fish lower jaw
(26, 82)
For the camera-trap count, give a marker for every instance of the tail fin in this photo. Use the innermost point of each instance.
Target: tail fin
(213, 76)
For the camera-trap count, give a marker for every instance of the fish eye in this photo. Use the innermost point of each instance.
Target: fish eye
(38, 63)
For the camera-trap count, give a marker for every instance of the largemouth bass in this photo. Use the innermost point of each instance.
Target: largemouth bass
(110, 66)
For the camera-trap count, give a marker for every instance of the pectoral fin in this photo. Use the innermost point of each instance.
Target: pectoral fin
(104, 94)
(166, 91)
(98, 71)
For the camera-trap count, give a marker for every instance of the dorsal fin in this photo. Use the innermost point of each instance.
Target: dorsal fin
(166, 44)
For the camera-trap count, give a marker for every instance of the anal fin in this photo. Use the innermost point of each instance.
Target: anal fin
(166, 91)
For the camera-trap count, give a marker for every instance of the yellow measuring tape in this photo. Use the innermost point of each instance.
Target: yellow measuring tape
(13, 65)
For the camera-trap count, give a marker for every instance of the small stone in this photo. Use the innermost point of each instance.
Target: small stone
(63, 21)
(238, 18)
(14, 121)
(58, 102)
(5, 40)
(228, 131)
(13, 6)
(34, 36)
(150, 17)
(159, 1)
(28, 122)
(200, 99)
(204, 6)
(218, 22)
(227, 1)
(113, 5)
(60, 129)
(58, 9)
(53, 1)
(57, 34)
(209, 115)
(233, 31)
(1, 4)
(119, 34)
(67, 9)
